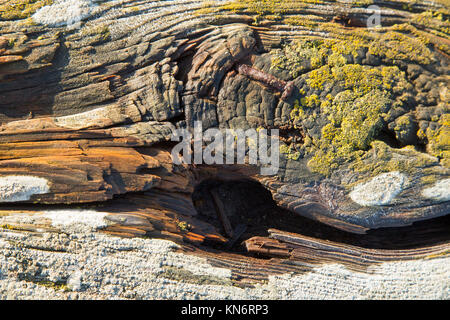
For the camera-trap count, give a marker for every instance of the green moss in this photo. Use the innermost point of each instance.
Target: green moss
(21, 9)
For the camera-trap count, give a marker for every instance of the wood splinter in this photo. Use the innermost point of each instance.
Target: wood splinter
(286, 88)
(237, 233)
(220, 209)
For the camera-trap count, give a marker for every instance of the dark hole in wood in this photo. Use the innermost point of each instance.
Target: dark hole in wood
(389, 138)
(247, 203)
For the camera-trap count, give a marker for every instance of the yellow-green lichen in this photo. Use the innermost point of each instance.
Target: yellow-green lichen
(386, 42)
(361, 79)
(208, 7)
(354, 122)
(293, 57)
(429, 179)
(11, 42)
(382, 158)
(184, 226)
(100, 32)
(433, 20)
(402, 42)
(6, 227)
(21, 9)
(104, 33)
(439, 140)
(356, 114)
(438, 255)
(312, 53)
(297, 112)
(303, 21)
(131, 9)
(299, 107)
(394, 46)
(289, 152)
(265, 8)
(258, 7)
(361, 2)
(12, 227)
(60, 286)
(56, 285)
(402, 126)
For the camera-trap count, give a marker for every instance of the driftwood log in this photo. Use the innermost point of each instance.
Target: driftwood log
(91, 91)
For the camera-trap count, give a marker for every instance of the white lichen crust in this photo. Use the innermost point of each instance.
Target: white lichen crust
(96, 266)
(380, 190)
(64, 12)
(21, 188)
(76, 220)
(440, 191)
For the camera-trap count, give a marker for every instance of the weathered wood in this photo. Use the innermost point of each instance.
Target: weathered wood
(87, 112)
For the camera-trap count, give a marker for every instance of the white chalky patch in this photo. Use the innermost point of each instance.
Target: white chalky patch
(198, 266)
(21, 188)
(74, 281)
(416, 279)
(98, 266)
(380, 190)
(75, 220)
(64, 12)
(440, 191)
(85, 119)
